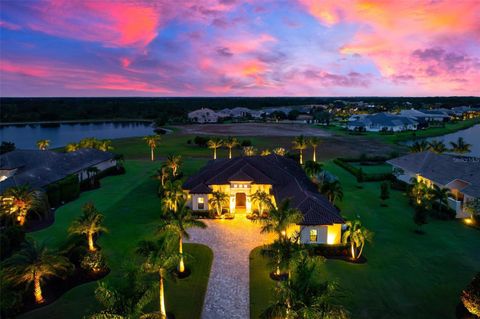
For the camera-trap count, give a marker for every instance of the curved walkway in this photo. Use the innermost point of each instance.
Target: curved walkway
(228, 292)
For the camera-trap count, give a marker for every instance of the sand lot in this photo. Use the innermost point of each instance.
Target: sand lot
(252, 129)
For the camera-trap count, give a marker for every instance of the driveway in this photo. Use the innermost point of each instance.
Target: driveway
(228, 294)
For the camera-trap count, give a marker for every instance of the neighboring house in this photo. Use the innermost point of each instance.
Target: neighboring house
(203, 115)
(423, 116)
(41, 168)
(459, 174)
(305, 118)
(381, 122)
(278, 176)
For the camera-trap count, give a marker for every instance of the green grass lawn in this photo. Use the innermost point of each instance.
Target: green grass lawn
(132, 210)
(407, 275)
(374, 169)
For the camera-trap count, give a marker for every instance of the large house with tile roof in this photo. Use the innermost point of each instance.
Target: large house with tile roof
(461, 175)
(276, 175)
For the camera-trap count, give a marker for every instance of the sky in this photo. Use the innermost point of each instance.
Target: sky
(239, 48)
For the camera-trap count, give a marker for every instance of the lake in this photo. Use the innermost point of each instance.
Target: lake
(470, 135)
(26, 136)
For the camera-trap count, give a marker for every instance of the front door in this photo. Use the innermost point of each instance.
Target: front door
(240, 200)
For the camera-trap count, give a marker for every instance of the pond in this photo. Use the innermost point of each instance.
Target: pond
(470, 135)
(26, 136)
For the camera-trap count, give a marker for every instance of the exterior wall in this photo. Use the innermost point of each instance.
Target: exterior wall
(83, 175)
(6, 173)
(326, 234)
(193, 201)
(242, 187)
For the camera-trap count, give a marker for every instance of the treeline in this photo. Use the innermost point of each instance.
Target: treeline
(175, 109)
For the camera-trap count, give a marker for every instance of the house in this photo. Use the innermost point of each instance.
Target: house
(42, 168)
(203, 115)
(276, 175)
(461, 175)
(423, 116)
(381, 122)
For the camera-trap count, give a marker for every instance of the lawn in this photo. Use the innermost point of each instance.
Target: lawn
(407, 275)
(131, 209)
(373, 169)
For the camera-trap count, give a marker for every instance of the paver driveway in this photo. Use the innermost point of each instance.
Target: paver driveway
(228, 287)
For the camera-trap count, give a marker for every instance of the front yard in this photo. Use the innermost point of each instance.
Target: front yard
(406, 276)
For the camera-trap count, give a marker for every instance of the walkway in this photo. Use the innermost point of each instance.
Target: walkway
(228, 293)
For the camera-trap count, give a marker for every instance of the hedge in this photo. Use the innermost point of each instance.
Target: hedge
(65, 190)
(359, 174)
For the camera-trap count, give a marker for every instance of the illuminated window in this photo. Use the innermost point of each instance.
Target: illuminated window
(201, 203)
(313, 235)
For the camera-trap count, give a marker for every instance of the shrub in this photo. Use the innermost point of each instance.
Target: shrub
(201, 140)
(471, 296)
(93, 261)
(10, 240)
(64, 190)
(246, 143)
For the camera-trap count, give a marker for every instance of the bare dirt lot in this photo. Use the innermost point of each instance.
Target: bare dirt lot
(252, 129)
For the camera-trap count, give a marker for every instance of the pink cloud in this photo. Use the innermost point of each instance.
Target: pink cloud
(10, 26)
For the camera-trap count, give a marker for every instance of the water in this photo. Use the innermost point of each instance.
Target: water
(470, 135)
(26, 136)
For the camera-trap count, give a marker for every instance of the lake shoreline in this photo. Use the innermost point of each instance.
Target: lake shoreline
(75, 121)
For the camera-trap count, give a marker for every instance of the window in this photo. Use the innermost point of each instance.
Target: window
(313, 235)
(201, 203)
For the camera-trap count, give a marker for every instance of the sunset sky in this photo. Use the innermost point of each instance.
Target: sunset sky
(239, 48)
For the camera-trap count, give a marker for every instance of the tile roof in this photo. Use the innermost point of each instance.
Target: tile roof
(287, 178)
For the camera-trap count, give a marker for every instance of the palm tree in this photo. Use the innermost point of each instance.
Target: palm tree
(152, 142)
(437, 147)
(300, 143)
(174, 162)
(89, 224)
(283, 252)
(20, 200)
(178, 223)
(33, 264)
(280, 218)
(279, 151)
(333, 191)
(312, 169)
(71, 147)
(105, 145)
(88, 142)
(161, 257)
(172, 194)
(418, 147)
(43, 144)
(217, 200)
(213, 144)
(262, 199)
(265, 152)
(230, 143)
(163, 174)
(460, 146)
(356, 235)
(249, 151)
(314, 142)
(418, 190)
(440, 195)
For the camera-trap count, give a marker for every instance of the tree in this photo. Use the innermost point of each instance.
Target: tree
(152, 142)
(262, 199)
(217, 200)
(314, 142)
(230, 143)
(418, 147)
(163, 174)
(384, 192)
(437, 147)
(174, 162)
(440, 195)
(105, 145)
(249, 151)
(300, 143)
(6, 147)
(420, 217)
(472, 207)
(160, 257)
(312, 169)
(471, 296)
(43, 144)
(172, 194)
(265, 152)
(214, 144)
(178, 223)
(280, 218)
(18, 201)
(284, 252)
(418, 191)
(356, 235)
(88, 224)
(279, 151)
(333, 190)
(33, 264)
(460, 146)
(71, 147)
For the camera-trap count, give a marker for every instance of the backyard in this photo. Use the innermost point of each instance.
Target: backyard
(406, 275)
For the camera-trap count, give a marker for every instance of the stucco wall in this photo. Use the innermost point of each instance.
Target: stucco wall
(82, 175)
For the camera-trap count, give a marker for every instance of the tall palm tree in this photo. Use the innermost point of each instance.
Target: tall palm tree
(105, 145)
(314, 142)
(160, 257)
(280, 218)
(88, 142)
(284, 252)
(33, 264)
(312, 169)
(249, 151)
(279, 151)
(71, 147)
(174, 162)
(356, 235)
(218, 200)
(460, 146)
(437, 147)
(333, 191)
(178, 223)
(88, 224)
(230, 143)
(300, 143)
(262, 199)
(418, 190)
(214, 144)
(43, 144)
(418, 147)
(172, 194)
(152, 142)
(163, 174)
(440, 195)
(20, 200)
